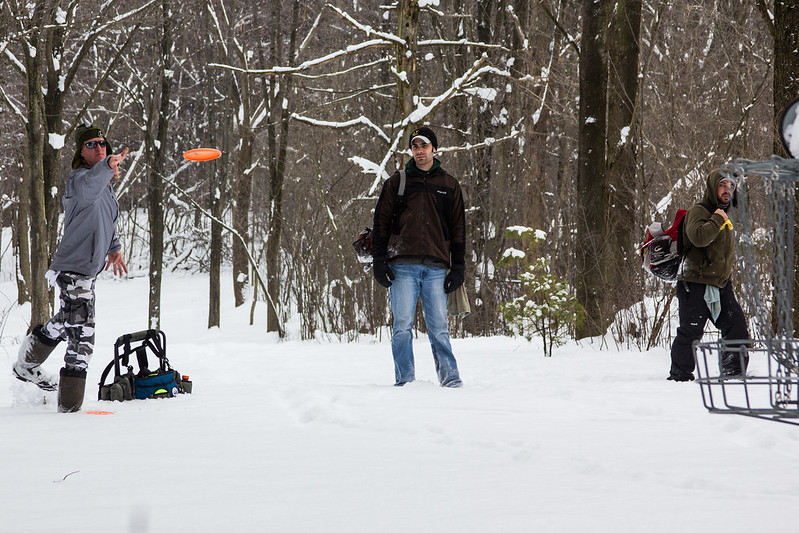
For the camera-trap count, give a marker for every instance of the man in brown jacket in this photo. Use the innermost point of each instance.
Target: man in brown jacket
(418, 251)
(704, 286)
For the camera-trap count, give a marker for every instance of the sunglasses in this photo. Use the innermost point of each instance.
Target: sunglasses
(91, 145)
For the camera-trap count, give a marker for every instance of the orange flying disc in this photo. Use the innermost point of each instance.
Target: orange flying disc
(202, 154)
(99, 413)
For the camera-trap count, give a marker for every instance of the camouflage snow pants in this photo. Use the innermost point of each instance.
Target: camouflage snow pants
(74, 322)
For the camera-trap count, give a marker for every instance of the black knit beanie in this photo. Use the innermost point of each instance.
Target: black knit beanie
(83, 133)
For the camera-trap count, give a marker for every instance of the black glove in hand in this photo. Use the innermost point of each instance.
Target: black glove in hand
(453, 280)
(382, 272)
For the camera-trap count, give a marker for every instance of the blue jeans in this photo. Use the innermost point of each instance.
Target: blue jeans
(411, 283)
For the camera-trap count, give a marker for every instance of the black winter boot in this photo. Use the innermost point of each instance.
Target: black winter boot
(732, 365)
(681, 376)
(70, 390)
(34, 351)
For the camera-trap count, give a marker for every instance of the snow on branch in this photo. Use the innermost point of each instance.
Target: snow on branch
(485, 144)
(110, 22)
(353, 95)
(518, 26)
(345, 124)
(311, 33)
(345, 71)
(369, 167)
(418, 116)
(261, 113)
(11, 57)
(368, 30)
(14, 107)
(313, 63)
(130, 175)
(380, 171)
(217, 26)
(460, 42)
(458, 85)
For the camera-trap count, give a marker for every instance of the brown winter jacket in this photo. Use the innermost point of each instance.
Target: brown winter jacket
(430, 227)
(710, 256)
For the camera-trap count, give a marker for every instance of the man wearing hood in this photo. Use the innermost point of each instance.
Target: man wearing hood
(418, 251)
(89, 243)
(704, 286)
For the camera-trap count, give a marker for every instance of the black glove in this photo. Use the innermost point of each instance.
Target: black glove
(382, 272)
(453, 280)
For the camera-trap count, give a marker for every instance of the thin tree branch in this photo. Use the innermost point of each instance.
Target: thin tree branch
(559, 26)
(767, 17)
(313, 63)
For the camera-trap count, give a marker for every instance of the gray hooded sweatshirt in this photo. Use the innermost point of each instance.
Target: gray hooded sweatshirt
(90, 214)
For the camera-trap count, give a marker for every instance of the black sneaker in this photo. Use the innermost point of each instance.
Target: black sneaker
(681, 377)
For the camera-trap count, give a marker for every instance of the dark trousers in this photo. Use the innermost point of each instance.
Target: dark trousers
(694, 314)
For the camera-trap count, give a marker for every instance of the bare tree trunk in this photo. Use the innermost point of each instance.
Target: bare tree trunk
(217, 198)
(215, 268)
(275, 187)
(278, 141)
(40, 304)
(242, 195)
(21, 233)
(156, 150)
(539, 212)
(483, 180)
(786, 89)
(623, 116)
(408, 29)
(592, 186)
(54, 112)
(219, 134)
(241, 214)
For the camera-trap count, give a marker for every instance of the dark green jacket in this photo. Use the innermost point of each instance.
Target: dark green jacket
(710, 256)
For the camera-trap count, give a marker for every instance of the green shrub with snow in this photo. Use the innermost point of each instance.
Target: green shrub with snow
(546, 305)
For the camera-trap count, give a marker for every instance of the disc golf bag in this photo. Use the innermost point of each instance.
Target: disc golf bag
(162, 382)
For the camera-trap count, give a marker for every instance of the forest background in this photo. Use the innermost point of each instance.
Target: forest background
(585, 119)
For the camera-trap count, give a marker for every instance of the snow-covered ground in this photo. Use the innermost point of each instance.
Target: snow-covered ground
(312, 437)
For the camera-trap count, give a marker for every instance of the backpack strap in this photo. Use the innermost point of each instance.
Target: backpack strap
(683, 243)
(103, 376)
(707, 206)
(399, 203)
(401, 190)
(141, 357)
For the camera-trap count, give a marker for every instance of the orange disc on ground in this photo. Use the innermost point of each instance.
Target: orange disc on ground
(202, 154)
(99, 413)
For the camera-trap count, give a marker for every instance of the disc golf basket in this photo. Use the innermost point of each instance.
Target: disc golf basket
(770, 388)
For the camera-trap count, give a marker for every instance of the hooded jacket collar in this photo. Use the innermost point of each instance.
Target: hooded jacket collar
(411, 170)
(712, 192)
